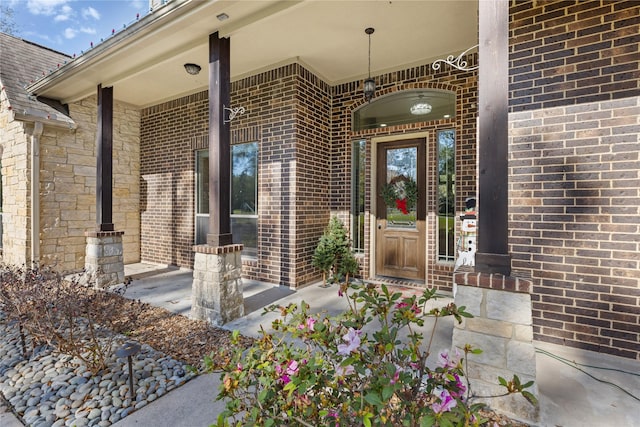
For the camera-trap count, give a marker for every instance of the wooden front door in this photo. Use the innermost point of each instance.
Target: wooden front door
(401, 209)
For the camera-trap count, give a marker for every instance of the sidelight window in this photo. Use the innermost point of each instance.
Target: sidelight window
(446, 194)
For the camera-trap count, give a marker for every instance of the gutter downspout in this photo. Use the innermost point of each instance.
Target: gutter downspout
(38, 127)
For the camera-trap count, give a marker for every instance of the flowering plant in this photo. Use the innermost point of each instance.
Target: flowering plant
(365, 367)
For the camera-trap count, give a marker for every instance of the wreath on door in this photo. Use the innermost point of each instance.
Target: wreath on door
(401, 192)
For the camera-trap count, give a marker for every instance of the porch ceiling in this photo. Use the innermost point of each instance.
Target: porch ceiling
(144, 63)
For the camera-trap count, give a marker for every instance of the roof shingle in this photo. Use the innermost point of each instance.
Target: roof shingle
(21, 62)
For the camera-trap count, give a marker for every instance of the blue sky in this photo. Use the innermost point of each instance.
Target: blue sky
(70, 26)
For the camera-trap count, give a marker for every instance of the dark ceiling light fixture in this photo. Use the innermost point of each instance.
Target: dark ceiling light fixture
(369, 83)
(192, 69)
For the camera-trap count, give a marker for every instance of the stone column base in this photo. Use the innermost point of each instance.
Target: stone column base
(216, 294)
(502, 327)
(104, 257)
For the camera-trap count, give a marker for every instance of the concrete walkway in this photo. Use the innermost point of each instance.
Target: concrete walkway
(601, 391)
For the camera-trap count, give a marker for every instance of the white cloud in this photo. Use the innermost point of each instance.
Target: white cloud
(139, 4)
(90, 12)
(66, 12)
(70, 33)
(44, 7)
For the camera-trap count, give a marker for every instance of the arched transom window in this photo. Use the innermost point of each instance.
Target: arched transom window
(409, 106)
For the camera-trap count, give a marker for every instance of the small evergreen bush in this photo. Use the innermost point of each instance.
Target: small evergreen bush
(333, 255)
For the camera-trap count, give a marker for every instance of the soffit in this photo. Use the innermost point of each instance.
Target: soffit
(144, 64)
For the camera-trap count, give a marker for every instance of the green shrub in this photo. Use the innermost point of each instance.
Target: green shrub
(349, 370)
(333, 255)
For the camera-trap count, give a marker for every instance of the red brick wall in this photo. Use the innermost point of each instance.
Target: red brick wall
(573, 52)
(287, 111)
(575, 170)
(167, 178)
(290, 106)
(313, 116)
(304, 130)
(348, 97)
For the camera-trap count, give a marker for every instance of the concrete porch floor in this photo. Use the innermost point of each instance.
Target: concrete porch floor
(602, 390)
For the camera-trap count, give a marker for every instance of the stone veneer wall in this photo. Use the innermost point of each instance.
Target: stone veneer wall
(348, 97)
(15, 149)
(575, 169)
(217, 284)
(67, 187)
(68, 183)
(502, 329)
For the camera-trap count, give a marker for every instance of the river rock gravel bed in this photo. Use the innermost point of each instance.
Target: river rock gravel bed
(49, 389)
(53, 389)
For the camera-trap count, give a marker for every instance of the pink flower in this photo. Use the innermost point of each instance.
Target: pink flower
(287, 372)
(285, 379)
(352, 339)
(403, 304)
(396, 377)
(292, 368)
(446, 361)
(460, 387)
(333, 414)
(308, 324)
(343, 371)
(446, 403)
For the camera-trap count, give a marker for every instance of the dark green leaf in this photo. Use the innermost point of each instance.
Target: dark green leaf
(427, 421)
(530, 397)
(373, 398)
(387, 392)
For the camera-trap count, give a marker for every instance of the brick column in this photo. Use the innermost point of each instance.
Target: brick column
(216, 294)
(104, 257)
(502, 328)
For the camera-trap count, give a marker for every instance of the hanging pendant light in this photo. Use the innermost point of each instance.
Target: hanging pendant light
(369, 83)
